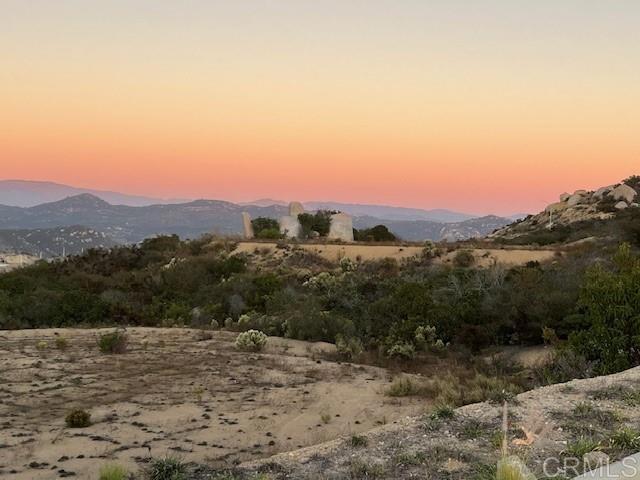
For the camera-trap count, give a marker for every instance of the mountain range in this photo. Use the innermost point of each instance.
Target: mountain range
(25, 193)
(126, 224)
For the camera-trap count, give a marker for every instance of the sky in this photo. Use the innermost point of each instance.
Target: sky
(493, 106)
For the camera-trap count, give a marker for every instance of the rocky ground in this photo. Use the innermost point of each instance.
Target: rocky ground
(561, 424)
(175, 392)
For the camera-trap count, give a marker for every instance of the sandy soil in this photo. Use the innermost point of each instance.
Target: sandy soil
(10, 261)
(175, 392)
(334, 252)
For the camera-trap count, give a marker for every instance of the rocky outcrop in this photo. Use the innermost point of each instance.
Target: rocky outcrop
(341, 227)
(623, 192)
(247, 226)
(581, 205)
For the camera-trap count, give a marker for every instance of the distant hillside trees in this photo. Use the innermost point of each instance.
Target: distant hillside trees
(379, 233)
(266, 228)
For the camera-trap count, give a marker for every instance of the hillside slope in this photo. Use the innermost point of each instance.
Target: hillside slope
(545, 423)
(608, 212)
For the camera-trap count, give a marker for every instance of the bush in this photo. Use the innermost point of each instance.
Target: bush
(113, 342)
(78, 419)
(62, 343)
(168, 468)
(379, 233)
(267, 228)
(251, 340)
(113, 472)
(403, 387)
(463, 259)
(402, 350)
(348, 348)
(315, 222)
(358, 441)
(609, 303)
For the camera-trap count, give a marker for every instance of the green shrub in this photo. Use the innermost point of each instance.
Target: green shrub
(610, 302)
(315, 222)
(359, 441)
(403, 387)
(580, 447)
(113, 472)
(379, 233)
(251, 340)
(61, 343)
(168, 468)
(348, 348)
(463, 259)
(113, 342)
(266, 228)
(78, 418)
(625, 439)
(403, 350)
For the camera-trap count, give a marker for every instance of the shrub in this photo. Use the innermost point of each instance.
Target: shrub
(403, 387)
(610, 302)
(78, 418)
(168, 468)
(512, 468)
(42, 345)
(581, 447)
(251, 340)
(463, 259)
(113, 342)
(403, 350)
(113, 472)
(267, 228)
(349, 348)
(62, 343)
(625, 439)
(443, 412)
(315, 222)
(379, 233)
(358, 441)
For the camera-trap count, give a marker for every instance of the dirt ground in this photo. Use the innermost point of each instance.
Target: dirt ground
(175, 392)
(334, 252)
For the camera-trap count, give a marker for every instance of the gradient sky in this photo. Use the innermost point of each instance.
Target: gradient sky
(481, 106)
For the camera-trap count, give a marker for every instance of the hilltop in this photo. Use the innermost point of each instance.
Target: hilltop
(608, 213)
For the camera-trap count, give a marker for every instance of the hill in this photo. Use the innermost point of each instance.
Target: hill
(53, 242)
(26, 193)
(127, 224)
(608, 213)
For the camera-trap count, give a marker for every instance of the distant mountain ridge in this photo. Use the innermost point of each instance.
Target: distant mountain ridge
(127, 224)
(27, 193)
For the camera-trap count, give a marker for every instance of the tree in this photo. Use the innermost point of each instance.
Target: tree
(266, 228)
(610, 306)
(315, 222)
(379, 233)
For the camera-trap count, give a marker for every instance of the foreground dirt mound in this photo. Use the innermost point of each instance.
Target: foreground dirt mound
(175, 391)
(555, 423)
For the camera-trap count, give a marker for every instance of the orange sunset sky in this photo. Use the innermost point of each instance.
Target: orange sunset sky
(481, 106)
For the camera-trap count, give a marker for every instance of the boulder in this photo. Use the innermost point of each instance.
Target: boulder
(341, 227)
(295, 209)
(246, 224)
(289, 226)
(565, 196)
(623, 192)
(575, 199)
(554, 207)
(580, 192)
(621, 205)
(601, 192)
